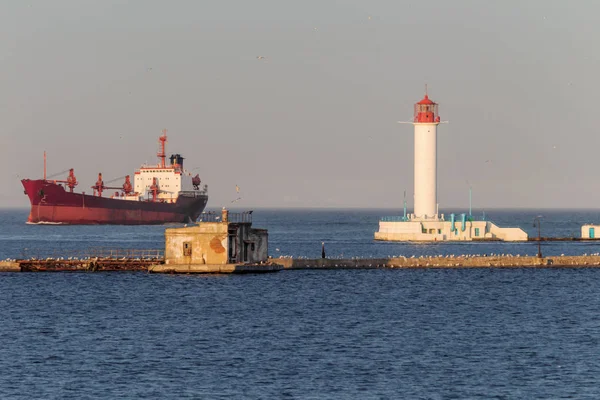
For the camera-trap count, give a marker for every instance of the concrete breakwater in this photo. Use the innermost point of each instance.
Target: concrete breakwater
(10, 266)
(132, 265)
(90, 265)
(277, 264)
(441, 262)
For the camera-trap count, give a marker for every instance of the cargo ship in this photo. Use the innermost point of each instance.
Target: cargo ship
(158, 194)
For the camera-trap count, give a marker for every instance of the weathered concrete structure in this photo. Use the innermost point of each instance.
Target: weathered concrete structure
(10, 266)
(222, 243)
(463, 261)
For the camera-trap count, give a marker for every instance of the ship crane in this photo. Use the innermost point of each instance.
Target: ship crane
(99, 186)
(127, 188)
(71, 181)
(154, 189)
(196, 182)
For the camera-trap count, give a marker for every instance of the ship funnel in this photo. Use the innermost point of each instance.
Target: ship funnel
(176, 159)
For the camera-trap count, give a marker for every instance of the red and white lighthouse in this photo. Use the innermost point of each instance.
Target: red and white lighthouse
(425, 224)
(426, 121)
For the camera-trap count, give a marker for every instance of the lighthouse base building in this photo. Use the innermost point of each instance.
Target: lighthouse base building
(399, 230)
(426, 224)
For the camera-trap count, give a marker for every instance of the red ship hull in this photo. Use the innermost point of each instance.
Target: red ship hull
(51, 203)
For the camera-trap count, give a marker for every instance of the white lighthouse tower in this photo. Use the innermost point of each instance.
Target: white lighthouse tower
(426, 224)
(426, 121)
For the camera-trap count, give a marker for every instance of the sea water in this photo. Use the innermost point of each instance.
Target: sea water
(299, 233)
(419, 333)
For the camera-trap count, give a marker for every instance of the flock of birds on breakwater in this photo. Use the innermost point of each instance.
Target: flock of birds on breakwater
(71, 259)
(424, 257)
(340, 257)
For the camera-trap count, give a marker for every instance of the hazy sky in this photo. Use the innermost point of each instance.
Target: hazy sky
(314, 124)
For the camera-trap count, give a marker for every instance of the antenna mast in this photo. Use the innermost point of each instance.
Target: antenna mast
(161, 154)
(405, 219)
(470, 202)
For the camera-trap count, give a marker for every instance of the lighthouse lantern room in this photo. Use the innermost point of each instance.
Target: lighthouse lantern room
(426, 111)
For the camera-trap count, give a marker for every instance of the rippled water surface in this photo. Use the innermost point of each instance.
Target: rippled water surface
(516, 333)
(431, 334)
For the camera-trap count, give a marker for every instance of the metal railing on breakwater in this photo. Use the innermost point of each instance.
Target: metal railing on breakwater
(233, 217)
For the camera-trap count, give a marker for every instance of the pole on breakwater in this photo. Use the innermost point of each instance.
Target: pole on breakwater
(537, 223)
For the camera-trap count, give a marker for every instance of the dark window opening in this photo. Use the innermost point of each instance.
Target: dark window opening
(187, 249)
(232, 255)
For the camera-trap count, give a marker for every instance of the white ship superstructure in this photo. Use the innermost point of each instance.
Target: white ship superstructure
(168, 180)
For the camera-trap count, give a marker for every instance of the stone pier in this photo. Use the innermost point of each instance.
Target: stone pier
(278, 264)
(440, 262)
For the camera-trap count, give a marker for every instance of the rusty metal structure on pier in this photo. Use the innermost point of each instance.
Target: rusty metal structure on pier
(95, 260)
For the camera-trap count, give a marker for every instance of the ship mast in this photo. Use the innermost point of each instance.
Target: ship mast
(161, 154)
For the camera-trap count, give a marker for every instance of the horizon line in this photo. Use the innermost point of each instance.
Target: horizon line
(400, 208)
